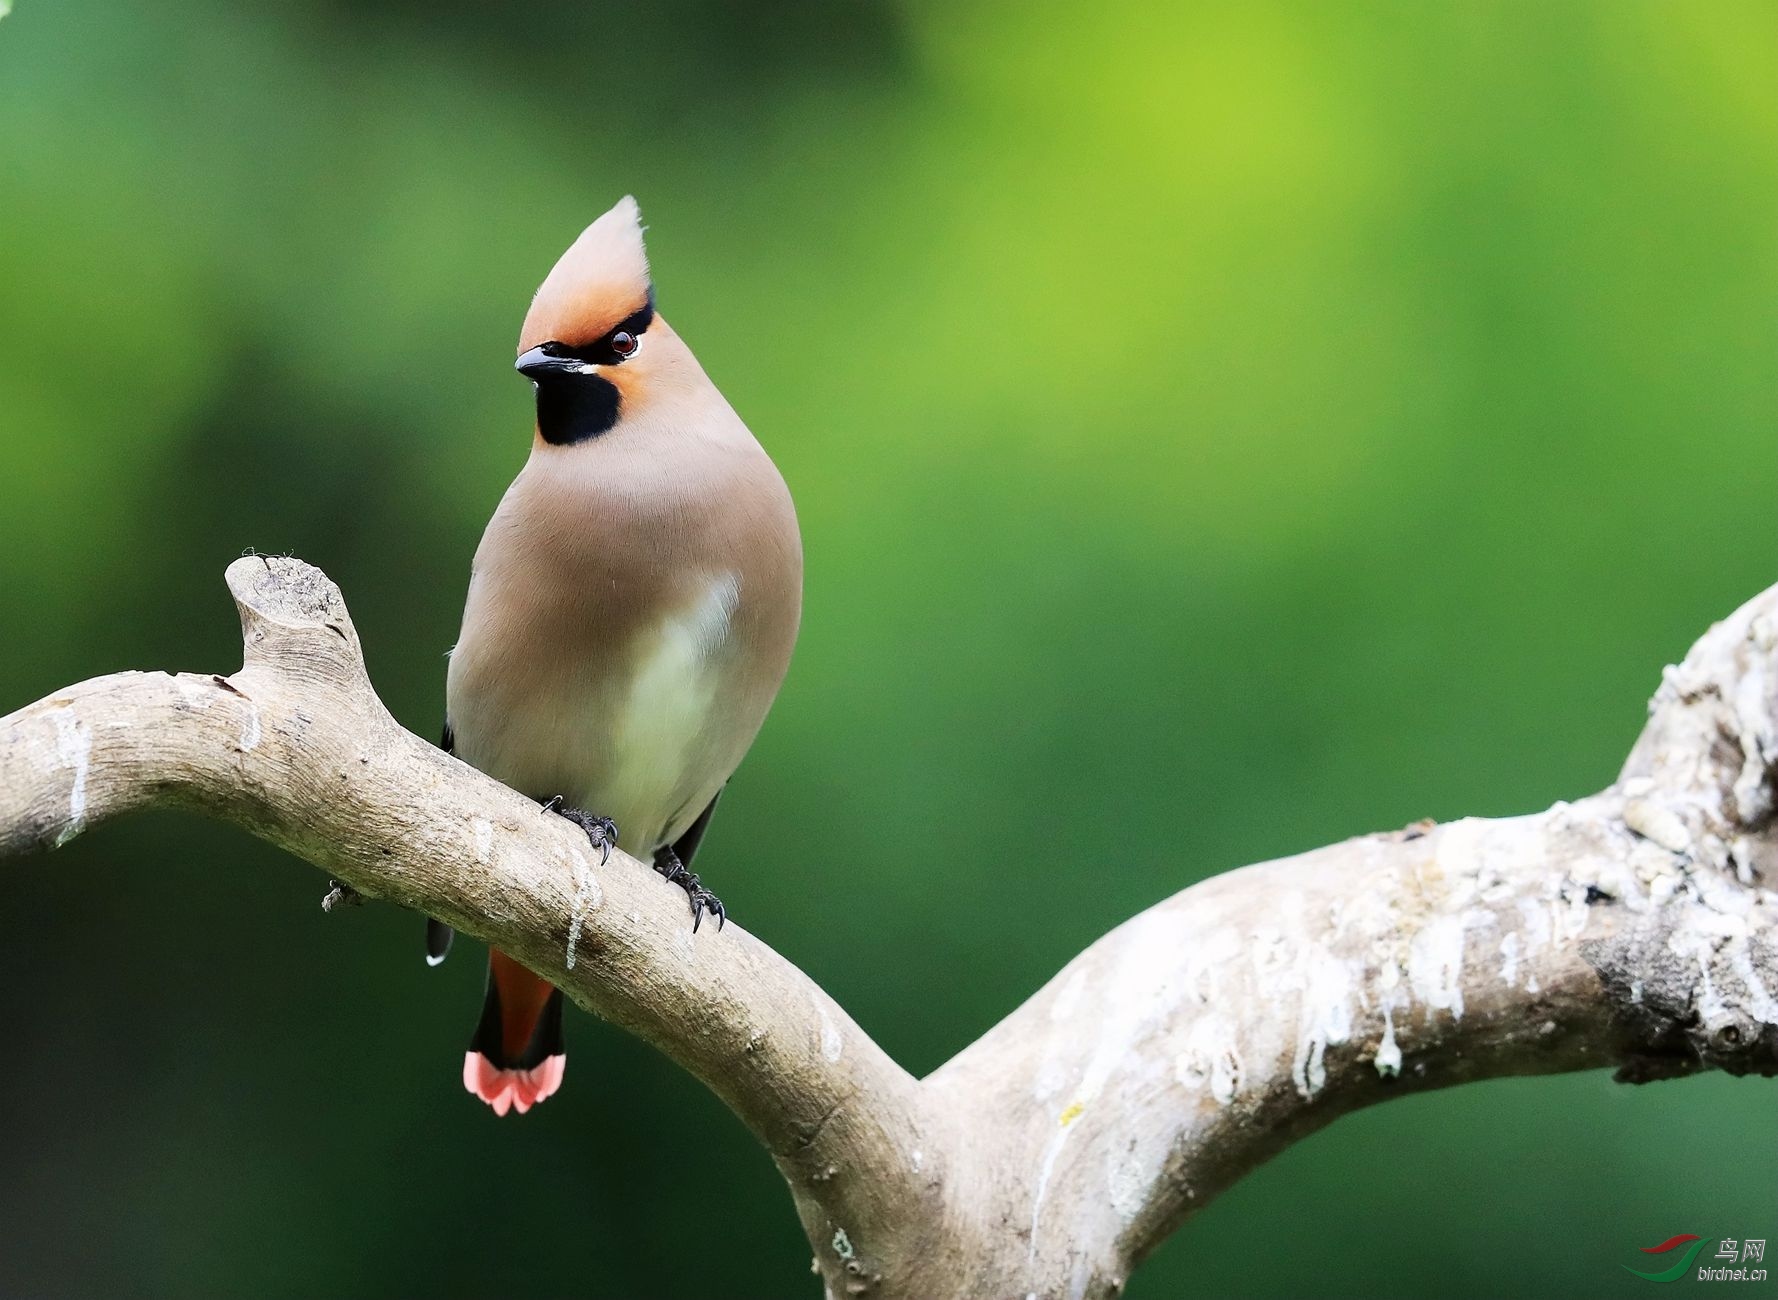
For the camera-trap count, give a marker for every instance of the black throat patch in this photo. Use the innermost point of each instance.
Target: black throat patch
(574, 408)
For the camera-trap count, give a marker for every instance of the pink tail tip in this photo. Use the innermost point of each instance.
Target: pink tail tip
(512, 1089)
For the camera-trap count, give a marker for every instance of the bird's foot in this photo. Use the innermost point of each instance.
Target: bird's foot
(602, 831)
(702, 900)
(340, 894)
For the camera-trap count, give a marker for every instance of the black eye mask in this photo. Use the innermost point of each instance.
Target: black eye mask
(603, 351)
(573, 405)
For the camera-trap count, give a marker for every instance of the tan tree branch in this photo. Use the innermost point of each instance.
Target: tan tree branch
(1637, 928)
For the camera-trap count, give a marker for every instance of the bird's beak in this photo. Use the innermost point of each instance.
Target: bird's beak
(550, 359)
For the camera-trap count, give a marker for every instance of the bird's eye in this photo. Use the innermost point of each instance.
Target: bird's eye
(624, 343)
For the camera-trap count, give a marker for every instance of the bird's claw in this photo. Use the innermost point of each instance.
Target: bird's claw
(702, 900)
(340, 894)
(602, 831)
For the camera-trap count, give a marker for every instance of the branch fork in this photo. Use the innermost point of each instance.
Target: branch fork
(1636, 929)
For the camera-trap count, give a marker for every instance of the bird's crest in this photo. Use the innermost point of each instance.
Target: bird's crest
(602, 278)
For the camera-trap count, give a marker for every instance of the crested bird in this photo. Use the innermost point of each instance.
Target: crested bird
(631, 612)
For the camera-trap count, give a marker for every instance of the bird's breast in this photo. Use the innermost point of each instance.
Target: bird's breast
(667, 728)
(634, 729)
(626, 631)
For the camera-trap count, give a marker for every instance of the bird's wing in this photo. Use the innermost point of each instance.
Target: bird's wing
(686, 846)
(438, 934)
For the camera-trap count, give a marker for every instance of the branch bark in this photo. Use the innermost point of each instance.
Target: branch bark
(1636, 928)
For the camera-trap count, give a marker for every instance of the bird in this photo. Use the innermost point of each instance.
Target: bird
(631, 613)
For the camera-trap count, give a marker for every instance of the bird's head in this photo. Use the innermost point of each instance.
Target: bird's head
(592, 345)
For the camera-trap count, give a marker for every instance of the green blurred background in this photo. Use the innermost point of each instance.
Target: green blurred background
(1217, 430)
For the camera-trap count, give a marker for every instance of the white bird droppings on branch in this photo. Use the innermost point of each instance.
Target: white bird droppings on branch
(74, 749)
(250, 727)
(587, 896)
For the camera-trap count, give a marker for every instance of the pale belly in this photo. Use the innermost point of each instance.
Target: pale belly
(645, 733)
